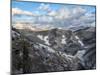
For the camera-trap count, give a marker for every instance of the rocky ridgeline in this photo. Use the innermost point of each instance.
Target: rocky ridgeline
(53, 50)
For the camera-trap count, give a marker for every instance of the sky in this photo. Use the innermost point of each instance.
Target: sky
(53, 14)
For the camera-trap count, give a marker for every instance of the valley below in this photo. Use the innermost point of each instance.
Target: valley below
(53, 50)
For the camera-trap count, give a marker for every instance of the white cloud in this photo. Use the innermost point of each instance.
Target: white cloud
(77, 16)
(88, 18)
(93, 24)
(17, 11)
(79, 11)
(52, 13)
(63, 13)
(73, 16)
(61, 17)
(45, 7)
(46, 19)
(68, 13)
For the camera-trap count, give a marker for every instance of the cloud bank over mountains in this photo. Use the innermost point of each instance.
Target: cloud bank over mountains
(18, 11)
(64, 16)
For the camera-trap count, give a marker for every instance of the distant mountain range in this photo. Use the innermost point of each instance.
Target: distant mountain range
(37, 27)
(26, 26)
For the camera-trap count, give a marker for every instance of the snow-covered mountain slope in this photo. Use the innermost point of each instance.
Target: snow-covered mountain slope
(55, 50)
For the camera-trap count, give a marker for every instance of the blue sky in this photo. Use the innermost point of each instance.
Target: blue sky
(32, 6)
(62, 13)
